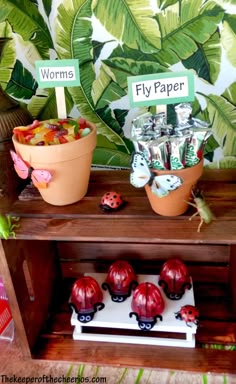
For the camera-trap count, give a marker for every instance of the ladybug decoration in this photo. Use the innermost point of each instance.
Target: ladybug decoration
(147, 305)
(174, 278)
(120, 281)
(86, 298)
(111, 201)
(189, 314)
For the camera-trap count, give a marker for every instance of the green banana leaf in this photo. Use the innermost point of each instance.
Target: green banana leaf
(90, 114)
(120, 115)
(230, 93)
(22, 85)
(209, 55)
(210, 147)
(111, 152)
(222, 115)
(105, 90)
(26, 20)
(131, 22)
(109, 157)
(228, 37)
(226, 162)
(109, 117)
(97, 48)
(162, 4)
(43, 104)
(47, 6)
(8, 55)
(224, 3)
(74, 40)
(125, 52)
(120, 68)
(184, 26)
(111, 83)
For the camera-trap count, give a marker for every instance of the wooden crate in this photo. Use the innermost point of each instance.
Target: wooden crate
(55, 245)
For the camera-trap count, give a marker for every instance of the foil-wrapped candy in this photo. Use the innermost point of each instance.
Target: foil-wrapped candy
(170, 147)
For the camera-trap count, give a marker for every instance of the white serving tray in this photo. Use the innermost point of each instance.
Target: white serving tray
(116, 316)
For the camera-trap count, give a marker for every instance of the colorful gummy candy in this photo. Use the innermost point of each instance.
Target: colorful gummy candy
(51, 132)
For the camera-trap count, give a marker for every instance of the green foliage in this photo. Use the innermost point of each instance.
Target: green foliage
(114, 40)
(26, 20)
(131, 22)
(22, 85)
(209, 55)
(222, 115)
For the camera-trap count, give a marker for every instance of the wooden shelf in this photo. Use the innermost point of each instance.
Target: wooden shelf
(54, 245)
(56, 341)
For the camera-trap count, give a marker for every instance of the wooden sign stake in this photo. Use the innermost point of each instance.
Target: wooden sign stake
(61, 102)
(162, 108)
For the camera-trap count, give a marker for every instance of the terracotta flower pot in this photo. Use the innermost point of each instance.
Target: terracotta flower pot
(69, 164)
(175, 203)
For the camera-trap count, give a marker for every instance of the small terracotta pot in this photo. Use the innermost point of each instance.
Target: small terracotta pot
(69, 164)
(175, 203)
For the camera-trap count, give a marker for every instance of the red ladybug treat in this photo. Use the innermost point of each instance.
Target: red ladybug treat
(189, 314)
(86, 298)
(147, 305)
(120, 281)
(111, 201)
(174, 278)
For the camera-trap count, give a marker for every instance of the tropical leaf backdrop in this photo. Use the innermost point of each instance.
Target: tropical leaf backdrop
(120, 38)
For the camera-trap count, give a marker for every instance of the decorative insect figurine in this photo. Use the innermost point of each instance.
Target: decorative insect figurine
(189, 314)
(174, 278)
(203, 210)
(7, 226)
(111, 201)
(86, 298)
(141, 175)
(120, 281)
(147, 305)
(40, 177)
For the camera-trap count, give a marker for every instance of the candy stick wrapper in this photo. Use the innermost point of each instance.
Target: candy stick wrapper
(177, 152)
(159, 153)
(144, 126)
(168, 147)
(183, 114)
(195, 147)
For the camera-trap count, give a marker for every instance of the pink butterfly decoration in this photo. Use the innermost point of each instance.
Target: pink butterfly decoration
(40, 177)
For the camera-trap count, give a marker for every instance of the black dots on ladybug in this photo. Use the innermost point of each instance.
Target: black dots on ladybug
(111, 201)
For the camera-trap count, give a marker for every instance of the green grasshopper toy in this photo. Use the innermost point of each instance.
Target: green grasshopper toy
(203, 210)
(7, 226)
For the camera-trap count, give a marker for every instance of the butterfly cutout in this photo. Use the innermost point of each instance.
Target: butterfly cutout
(39, 177)
(141, 175)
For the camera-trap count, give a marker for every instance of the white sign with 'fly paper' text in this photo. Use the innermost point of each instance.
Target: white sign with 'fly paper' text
(161, 88)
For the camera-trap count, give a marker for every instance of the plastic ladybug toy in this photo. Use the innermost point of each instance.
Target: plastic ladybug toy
(111, 201)
(147, 305)
(174, 278)
(189, 314)
(86, 298)
(120, 281)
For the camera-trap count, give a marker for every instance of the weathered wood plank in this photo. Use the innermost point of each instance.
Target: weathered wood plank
(128, 230)
(73, 251)
(136, 356)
